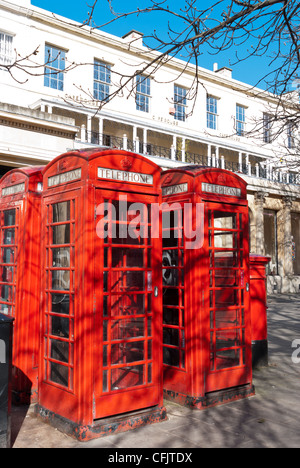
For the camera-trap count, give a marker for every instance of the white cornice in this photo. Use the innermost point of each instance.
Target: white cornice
(15, 117)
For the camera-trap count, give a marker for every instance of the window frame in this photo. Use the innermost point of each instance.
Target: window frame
(59, 332)
(143, 93)
(240, 120)
(180, 103)
(6, 52)
(211, 112)
(9, 241)
(101, 87)
(55, 75)
(174, 313)
(267, 128)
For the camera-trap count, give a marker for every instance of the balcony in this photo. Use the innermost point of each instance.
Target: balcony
(258, 169)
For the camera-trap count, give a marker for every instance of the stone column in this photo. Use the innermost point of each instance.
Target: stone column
(183, 150)
(241, 162)
(134, 133)
(287, 236)
(259, 222)
(100, 128)
(209, 155)
(125, 142)
(174, 148)
(83, 133)
(145, 137)
(89, 129)
(137, 144)
(285, 261)
(222, 162)
(217, 162)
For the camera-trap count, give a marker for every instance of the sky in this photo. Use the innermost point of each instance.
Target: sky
(249, 71)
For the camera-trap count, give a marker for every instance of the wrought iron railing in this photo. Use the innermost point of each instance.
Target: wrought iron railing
(258, 169)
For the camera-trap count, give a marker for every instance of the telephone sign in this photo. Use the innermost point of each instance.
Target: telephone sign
(105, 173)
(13, 189)
(64, 178)
(221, 190)
(173, 189)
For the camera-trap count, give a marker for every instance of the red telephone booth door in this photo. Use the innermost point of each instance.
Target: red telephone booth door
(227, 297)
(127, 336)
(9, 226)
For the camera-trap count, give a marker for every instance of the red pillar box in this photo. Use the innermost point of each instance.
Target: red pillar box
(20, 272)
(258, 294)
(206, 300)
(101, 369)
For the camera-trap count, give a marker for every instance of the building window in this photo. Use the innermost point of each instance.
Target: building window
(142, 98)
(267, 135)
(180, 103)
(270, 236)
(212, 112)
(55, 60)
(102, 80)
(6, 49)
(240, 120)
(296, 242)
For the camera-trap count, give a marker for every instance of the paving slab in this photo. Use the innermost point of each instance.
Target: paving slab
(270, 419)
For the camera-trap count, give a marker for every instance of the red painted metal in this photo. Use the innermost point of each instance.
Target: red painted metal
(101, 288)
(104, 427)
(258, 294)
(206, 313)
(20, 203)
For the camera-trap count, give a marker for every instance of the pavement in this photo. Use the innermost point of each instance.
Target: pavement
(270, 419)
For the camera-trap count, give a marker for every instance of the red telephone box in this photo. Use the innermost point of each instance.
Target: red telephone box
(20, 203)
(101, 343)
(206, 315)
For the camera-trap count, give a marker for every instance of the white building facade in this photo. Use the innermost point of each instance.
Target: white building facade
(49, 104)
